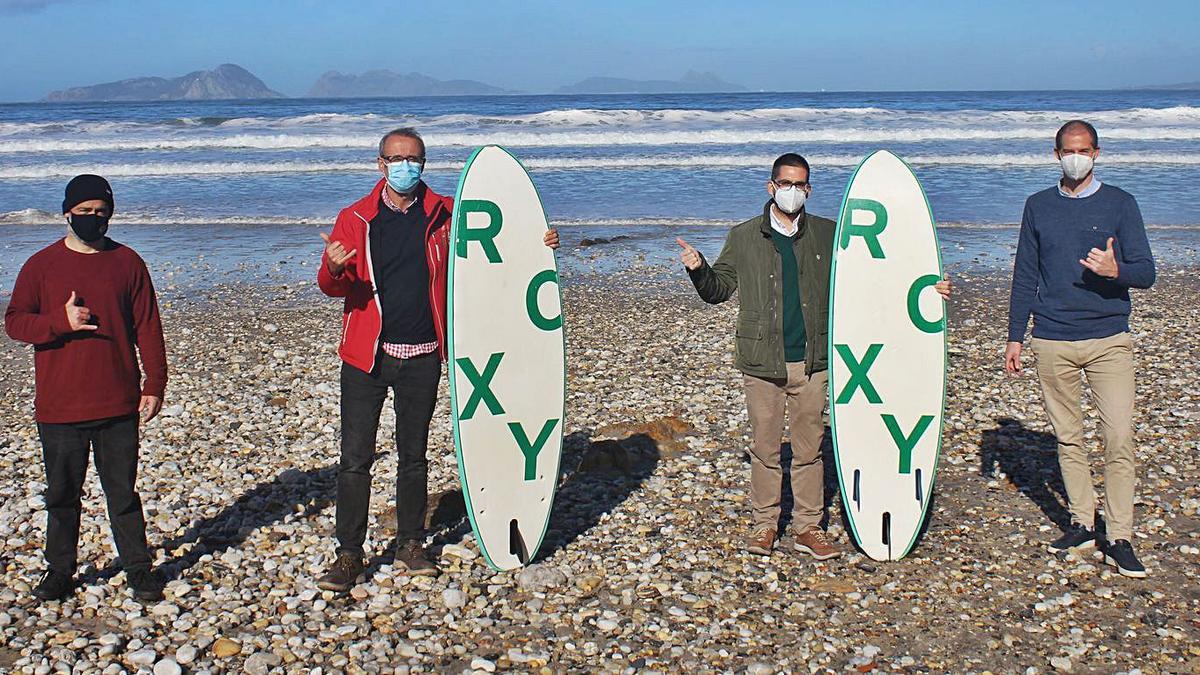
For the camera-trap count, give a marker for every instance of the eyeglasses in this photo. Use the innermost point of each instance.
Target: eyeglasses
(393, 159)
(785, 184)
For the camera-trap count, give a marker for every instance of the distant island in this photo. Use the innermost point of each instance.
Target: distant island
(226, 81)
(231, 81)
(380, 83)
(1188, 86)
(691, 83)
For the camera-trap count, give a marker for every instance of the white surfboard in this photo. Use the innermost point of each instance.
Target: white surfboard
(887, 355)
(506, 366)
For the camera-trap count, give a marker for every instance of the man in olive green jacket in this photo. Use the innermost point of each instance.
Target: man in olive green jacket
(779, 263)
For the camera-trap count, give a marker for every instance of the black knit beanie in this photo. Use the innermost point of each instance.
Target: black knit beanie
(86, 187)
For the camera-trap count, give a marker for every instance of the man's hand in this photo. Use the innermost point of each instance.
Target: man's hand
(691, 257)
(336, 255)
(1012, 358)
(1103, 263)
(149, 407)
(550, 238)
(78, 317)
(944, 287)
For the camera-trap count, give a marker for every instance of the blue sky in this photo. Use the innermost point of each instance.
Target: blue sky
(538, 45)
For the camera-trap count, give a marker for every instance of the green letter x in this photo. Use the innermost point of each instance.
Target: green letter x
(482, 391)
(858, 373)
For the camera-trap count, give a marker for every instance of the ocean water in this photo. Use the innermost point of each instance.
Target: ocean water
(647, 166)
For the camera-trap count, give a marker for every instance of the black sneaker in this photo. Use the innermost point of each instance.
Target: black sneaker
(1076, 538)
(343, 574)
(146, 584)
(54, 586)
(1120, 554)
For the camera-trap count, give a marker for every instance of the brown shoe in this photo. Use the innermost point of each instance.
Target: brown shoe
(343, 574)
(816, 543)
(761, 542)
(411, 558)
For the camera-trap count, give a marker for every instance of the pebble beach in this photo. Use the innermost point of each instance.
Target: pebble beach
(642, 568)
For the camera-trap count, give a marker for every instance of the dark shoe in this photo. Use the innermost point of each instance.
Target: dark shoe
(1076, 538)
(1120, 555)
(146, 584)
(762, 542)
(815, 542)
(54, 586)
(343, 574)
(411, 558)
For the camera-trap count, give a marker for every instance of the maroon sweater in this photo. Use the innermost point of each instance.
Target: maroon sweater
(89, 375)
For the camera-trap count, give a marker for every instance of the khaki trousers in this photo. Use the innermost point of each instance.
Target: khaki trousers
(803, 397)
(1108, 364)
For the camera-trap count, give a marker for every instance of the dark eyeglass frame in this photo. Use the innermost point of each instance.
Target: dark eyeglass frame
(392, 159)
(785, 184)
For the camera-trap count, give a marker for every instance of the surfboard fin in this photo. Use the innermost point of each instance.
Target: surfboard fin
(857, 494)
(919, 495)
(887, 532)
(516, 543)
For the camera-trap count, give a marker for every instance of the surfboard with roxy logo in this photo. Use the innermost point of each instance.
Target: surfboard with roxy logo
(887, 355)
(507, 367)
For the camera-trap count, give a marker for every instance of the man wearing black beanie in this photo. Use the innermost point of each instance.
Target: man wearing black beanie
(87, 305)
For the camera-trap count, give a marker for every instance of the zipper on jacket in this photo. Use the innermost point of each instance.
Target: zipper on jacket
(433, 280)
(776, 301)
(374, 288)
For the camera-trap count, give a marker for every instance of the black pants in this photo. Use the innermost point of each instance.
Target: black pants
(65, 449)
(414, 385)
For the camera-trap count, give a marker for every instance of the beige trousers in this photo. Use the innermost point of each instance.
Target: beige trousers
(803, 397)
(1108, 364)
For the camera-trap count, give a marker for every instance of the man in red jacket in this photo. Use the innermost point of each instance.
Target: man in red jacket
(387, 256)
(85, 303)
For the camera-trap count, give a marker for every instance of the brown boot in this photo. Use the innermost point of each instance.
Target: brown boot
(343, 574)
(412, 558)
(816, 543)
(761, 542)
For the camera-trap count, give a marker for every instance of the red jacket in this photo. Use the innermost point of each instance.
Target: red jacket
(362, 321)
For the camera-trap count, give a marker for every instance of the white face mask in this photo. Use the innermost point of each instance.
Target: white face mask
(790, 200)
(1076, 166)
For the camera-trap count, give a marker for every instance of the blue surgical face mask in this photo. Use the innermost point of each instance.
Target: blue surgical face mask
(403, 176)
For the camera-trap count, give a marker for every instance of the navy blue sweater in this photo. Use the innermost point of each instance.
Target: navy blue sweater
(1067, 300)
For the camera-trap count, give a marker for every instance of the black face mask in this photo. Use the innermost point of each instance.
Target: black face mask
(88, 227)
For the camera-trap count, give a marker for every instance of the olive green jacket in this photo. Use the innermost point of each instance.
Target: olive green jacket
(750, 264)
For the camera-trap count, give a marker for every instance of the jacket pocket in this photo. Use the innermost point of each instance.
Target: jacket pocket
(749, 341)
(749, 326)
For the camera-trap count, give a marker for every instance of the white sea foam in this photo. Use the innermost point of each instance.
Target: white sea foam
(591, 138)
(584, 118)
(167, 169)
(39, 217)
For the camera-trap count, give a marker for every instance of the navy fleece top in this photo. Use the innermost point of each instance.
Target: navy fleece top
(1067, 300)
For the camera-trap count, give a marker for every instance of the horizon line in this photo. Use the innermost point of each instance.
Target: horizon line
(512, 94)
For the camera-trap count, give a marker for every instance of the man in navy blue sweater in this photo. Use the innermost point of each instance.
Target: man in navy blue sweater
(1082, 247)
